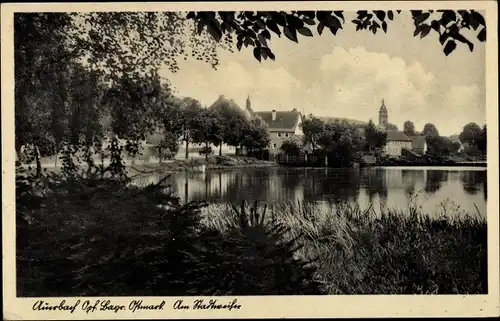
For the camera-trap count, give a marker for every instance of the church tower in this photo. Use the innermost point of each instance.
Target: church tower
(383, 118)
(248, 109)
(248, 103)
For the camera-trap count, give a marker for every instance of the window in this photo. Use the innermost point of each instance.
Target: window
(286, 134)
(279, 134)
(274, 145)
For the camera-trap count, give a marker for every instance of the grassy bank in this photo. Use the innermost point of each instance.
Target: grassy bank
(212, 163)
(100, 237)
(176, 165)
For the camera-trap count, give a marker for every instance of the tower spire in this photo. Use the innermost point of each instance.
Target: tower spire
(383, 118)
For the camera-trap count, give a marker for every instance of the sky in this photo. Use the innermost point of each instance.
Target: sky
(349, 74)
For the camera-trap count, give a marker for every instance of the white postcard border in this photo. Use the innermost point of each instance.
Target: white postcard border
(262, 306)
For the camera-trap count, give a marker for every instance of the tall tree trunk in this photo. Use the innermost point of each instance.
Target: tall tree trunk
(187, 147)
(206, 151)
(38, 162)
(220, 149)
(186, 187)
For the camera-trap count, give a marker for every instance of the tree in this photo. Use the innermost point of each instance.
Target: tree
(291, 146)
(125, 47)
(312, 127)
(121, 42)
(253, 29)
(41, 60)
(192, 115)
(124, 42)
(470, 133)
(56, 99)
(171, 123)
(430, 130)
(208, 129)
(375, 139)
(441, 146)
(233, 120)
(409, 128)
(391, 127)
(481, 141)
(256, 137)
(341, 142)
(168, 146)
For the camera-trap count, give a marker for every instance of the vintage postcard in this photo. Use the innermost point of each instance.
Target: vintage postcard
(249, 159)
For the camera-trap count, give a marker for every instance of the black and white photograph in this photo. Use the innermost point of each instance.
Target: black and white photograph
(206, 153)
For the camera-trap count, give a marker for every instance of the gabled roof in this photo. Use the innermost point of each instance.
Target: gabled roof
(285, 120)
(230, 102)
(398, 136)
(417, 141)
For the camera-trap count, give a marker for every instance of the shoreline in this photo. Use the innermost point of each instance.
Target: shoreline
(166, 169)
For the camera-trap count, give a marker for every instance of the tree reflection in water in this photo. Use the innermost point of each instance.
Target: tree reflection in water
(434, 181)
(366, 186)
(375, 183)
(474, 181)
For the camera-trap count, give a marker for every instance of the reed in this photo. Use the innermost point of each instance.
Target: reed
(360, 251)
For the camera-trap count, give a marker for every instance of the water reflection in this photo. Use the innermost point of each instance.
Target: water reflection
(392, 187)
(473, 182)
(434, 180)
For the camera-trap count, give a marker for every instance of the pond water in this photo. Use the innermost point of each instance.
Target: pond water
(431, 189)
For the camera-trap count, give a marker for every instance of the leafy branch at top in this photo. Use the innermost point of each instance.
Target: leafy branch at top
(255, 29)
(449, 27)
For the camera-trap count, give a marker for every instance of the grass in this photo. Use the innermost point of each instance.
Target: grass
(397, 252)
(213, 162)
(95, 237)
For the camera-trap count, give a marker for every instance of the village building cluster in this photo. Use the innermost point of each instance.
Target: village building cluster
(285, 124)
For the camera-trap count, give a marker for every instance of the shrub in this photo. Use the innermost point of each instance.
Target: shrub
(225, 160)
(102, 237)
(87, 236)
(252, 257)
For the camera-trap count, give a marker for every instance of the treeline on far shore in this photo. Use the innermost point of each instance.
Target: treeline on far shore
(327, 160)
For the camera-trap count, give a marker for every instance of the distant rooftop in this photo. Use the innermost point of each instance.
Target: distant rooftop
(397, 136)
(350, 121)
(285, 120)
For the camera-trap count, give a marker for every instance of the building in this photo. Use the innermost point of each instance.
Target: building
(280, 124)
(383, 119)
(455, 139)
(248, 110)
(396, 141)
(418, 144)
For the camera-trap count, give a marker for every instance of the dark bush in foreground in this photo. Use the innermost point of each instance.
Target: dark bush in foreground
(252, 257)
(100, 237)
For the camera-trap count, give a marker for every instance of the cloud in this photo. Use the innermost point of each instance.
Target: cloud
(463, 104)
(269, 87)
(354, 82)
(341, 83)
